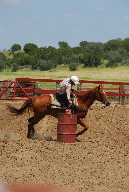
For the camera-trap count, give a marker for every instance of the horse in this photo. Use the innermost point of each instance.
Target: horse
(43, 105)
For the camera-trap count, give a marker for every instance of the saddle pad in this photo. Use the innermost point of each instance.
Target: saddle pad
(54, 102)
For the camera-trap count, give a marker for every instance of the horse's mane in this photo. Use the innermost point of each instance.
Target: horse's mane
(86, 94)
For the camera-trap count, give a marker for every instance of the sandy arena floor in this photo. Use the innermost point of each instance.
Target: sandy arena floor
(99, 163)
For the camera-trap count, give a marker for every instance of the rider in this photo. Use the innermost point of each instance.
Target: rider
(66, 88)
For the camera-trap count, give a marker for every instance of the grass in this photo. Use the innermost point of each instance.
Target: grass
(111, 74)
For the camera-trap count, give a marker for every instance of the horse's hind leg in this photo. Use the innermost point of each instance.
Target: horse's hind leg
(31, 122)
(31, 131)
(80, 122)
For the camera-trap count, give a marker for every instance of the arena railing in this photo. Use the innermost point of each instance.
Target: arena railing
(13, 90)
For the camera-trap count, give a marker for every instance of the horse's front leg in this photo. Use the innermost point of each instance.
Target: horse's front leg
(81, 122)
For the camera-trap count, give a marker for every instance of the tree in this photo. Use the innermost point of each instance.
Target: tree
(24, 59)
(73, 66)
(64, 53)
(46, 65)
(63, 45)
(2, 61)
(83, 44)
(125, 44)
(90, 60)
(114, 58)
(30, 48)
(15, 47)
(48, 54)
(113, 44)
(14, 67)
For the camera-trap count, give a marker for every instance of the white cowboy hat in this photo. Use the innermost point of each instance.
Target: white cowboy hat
(75, 79)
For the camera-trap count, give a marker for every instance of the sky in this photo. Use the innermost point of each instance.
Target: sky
(46, 22)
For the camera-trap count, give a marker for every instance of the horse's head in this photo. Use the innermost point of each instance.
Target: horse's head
(101, 96)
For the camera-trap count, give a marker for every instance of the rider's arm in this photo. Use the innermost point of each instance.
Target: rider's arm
(68, 92)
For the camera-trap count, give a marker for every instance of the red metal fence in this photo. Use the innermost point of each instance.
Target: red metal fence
(22, 88)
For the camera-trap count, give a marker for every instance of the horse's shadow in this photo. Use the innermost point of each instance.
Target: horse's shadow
(49, 138)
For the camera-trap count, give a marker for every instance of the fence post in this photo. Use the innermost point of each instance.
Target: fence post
(13, 90)
(121, 98)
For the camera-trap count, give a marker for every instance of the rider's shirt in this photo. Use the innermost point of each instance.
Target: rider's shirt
(66, 87)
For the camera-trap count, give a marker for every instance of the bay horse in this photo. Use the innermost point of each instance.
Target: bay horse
(42, 106)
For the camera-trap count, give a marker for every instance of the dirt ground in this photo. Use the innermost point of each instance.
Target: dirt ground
(99, 163)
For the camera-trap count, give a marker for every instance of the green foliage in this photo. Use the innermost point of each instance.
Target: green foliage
(14, 67)
(2, 61)
(30, 48)
(2, 57)
(90, 60)
(24, 59)
(113, 44)
(1, 66)
(15, 47)
(83, 44)
(90, 54)
(45, 65)
(63, 45)
(113, 58)
(73, 66)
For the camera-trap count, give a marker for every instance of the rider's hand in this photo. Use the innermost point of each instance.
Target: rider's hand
(70, 102)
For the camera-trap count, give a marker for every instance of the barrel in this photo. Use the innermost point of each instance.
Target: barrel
(66, 128)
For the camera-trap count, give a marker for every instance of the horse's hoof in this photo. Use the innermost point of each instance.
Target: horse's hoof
(29, 136)
(33, 137)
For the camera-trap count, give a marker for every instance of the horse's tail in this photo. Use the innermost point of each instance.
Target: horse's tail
(20, 111)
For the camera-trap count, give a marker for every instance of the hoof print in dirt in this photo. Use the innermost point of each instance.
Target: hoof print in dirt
(48, 138)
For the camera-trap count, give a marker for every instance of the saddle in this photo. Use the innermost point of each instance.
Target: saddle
(62, 99)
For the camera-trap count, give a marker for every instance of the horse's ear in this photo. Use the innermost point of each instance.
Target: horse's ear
(98, 88)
